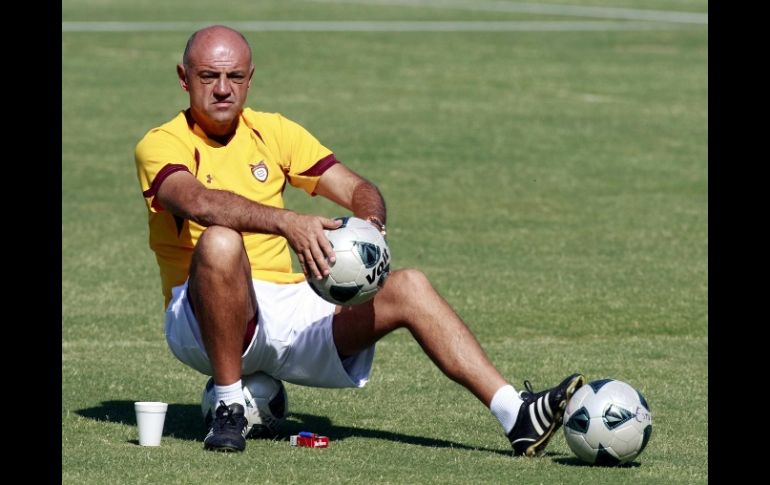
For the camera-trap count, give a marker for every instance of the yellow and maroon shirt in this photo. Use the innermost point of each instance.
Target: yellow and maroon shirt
(266, 151)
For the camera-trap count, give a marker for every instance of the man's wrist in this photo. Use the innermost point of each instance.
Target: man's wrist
(374, 220)
(283, 221)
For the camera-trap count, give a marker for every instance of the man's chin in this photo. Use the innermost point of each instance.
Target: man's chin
(223, 118)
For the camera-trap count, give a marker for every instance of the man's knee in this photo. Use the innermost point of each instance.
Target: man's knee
(219, 244)
(406, 284)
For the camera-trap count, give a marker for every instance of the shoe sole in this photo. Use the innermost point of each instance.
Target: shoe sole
(538, 447)
(224, 449)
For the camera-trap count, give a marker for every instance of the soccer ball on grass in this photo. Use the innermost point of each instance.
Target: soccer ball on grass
(361, 267)
(607, 422)
(267, 404)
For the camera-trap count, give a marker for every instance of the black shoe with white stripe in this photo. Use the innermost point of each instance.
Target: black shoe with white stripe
(540, 415)
(228, 429)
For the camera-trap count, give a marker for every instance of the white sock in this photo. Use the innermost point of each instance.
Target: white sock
(505, 406)
(230, 394)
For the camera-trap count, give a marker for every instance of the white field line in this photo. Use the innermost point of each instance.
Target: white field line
(370, 26)
(542, 8)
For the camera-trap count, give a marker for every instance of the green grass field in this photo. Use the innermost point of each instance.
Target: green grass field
(552, 185)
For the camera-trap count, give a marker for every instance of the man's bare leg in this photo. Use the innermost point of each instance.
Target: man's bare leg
(409, 300)
(529, 419)
(222, 298)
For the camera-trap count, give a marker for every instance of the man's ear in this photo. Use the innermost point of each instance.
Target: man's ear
(251, 74)
(182, 74)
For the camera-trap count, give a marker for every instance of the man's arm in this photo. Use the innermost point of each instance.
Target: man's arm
(348, 189)
(183, 195)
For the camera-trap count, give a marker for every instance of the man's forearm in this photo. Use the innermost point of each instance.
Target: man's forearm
(368, 202)
(223, 208)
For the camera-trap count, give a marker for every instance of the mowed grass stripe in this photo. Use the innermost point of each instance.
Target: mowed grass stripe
(540, 8)
(372, 26)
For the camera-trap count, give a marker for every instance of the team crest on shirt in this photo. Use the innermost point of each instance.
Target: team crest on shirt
(259, 171)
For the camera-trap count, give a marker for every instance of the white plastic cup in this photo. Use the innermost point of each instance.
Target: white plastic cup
(150, 417)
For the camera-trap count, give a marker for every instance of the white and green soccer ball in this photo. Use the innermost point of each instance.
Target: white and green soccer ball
(607, 422)
(361, 267)
(267, 404)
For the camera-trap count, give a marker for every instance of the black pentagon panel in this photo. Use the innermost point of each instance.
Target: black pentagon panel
(344, 293)
(370, 253)
(315, 290)
(643, 400)
(615, 415)
(646, 439)
(604, 458)
(596, 385)
(278, 404)
(579, 421)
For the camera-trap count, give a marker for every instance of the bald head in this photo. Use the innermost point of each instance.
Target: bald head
(212, 37)
(216, 71)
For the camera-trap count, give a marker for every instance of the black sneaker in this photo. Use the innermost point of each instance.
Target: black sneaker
(540, 415)
(228, 429)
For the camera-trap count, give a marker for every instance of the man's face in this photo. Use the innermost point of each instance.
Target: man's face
(218, 80)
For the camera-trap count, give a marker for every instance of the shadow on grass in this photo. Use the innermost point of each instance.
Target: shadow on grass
(323, 426)
(573, 461)
(184, 421)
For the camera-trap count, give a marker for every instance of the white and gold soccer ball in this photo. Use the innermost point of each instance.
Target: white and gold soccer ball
(361, 267)
(267, 404)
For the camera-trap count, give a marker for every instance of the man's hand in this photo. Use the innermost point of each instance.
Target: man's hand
(305, 234)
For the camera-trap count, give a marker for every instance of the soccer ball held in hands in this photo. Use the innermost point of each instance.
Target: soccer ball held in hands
(361, 267)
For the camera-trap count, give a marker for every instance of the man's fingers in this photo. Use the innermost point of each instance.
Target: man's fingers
(327, 250)
(330, 223)
(313, 248)
(320, 259)
(312, 268)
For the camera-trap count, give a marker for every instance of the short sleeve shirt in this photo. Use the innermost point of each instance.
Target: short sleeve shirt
(266, 151)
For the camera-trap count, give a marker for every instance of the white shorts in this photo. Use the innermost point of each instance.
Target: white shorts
(293, 341)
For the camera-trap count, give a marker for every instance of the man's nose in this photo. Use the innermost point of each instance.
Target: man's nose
(222, 86)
